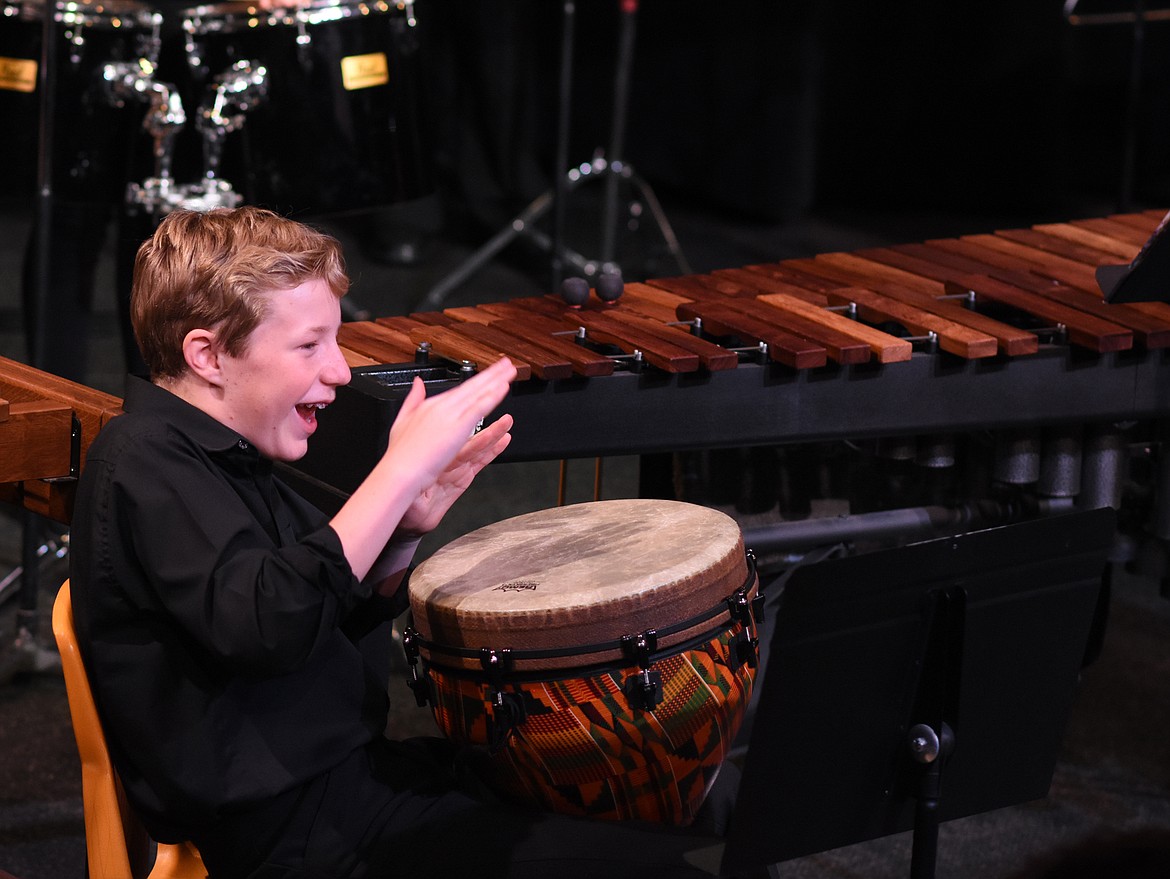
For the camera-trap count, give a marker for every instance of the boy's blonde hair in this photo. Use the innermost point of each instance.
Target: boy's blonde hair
(217, 270)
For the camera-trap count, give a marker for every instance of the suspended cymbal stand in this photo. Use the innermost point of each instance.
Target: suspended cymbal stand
(25, 654)
(613, 169)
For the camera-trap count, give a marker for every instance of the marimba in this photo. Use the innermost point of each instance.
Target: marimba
(1004, 334)
(46, 426)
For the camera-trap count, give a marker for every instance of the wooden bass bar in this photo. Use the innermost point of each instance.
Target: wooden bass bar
(46, 426)
(998, 330)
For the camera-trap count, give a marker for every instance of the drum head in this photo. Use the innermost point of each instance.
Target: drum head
(578, 575)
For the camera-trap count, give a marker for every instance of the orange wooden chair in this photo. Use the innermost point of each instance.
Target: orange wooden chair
(117, 846)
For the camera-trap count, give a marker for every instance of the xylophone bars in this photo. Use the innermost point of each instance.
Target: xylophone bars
(46, 426)
(957, 293)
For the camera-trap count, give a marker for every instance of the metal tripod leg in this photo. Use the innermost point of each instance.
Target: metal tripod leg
(25, 655)
(523, 224)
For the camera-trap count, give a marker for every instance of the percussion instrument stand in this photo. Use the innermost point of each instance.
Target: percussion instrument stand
(24, 654)
(610, 168)
(931, 740)
(972, 643)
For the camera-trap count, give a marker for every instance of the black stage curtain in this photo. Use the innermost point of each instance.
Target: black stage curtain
(765, 109)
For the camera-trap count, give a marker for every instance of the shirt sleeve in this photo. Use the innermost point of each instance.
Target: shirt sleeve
(213, 567)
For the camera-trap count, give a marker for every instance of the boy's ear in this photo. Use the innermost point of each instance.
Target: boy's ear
(202, 352)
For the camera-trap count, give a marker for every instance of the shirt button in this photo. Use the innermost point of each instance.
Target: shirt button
(243, 444)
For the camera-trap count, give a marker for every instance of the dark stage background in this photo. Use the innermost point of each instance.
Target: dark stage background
(768, 110)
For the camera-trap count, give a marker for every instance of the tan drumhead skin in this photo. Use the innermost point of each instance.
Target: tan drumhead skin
(578, 575)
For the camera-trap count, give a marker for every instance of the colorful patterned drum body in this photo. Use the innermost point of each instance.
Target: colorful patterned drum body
(599, 657)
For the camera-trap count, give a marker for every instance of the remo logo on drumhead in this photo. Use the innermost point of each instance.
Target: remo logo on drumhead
(518, 586)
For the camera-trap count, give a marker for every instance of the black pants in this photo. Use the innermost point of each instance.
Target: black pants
(399, 809)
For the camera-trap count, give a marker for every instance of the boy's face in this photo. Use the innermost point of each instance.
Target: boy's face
(290, 367)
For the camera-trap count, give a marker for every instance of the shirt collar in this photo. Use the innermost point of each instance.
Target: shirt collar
(146, 398)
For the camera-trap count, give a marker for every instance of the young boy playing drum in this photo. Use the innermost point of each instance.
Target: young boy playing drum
(220, 616)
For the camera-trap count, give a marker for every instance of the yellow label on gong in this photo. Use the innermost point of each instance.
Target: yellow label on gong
(18, 74)
(363, 71)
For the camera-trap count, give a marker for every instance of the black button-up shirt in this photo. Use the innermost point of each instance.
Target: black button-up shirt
(217, 616)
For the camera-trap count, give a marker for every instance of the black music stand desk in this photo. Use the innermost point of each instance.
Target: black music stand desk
(881, 659)
(1147, 277)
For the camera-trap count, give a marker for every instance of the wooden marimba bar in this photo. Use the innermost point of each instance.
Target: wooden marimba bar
(46, 426)
(1006, 329)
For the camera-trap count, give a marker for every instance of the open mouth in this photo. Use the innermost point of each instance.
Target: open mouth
(308, 412)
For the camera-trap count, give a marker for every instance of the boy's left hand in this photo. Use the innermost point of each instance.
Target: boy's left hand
(432, 503)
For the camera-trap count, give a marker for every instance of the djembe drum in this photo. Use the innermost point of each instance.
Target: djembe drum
(598, 657)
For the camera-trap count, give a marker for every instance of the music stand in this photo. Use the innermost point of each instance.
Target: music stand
(1146, 278)
(965, 647)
